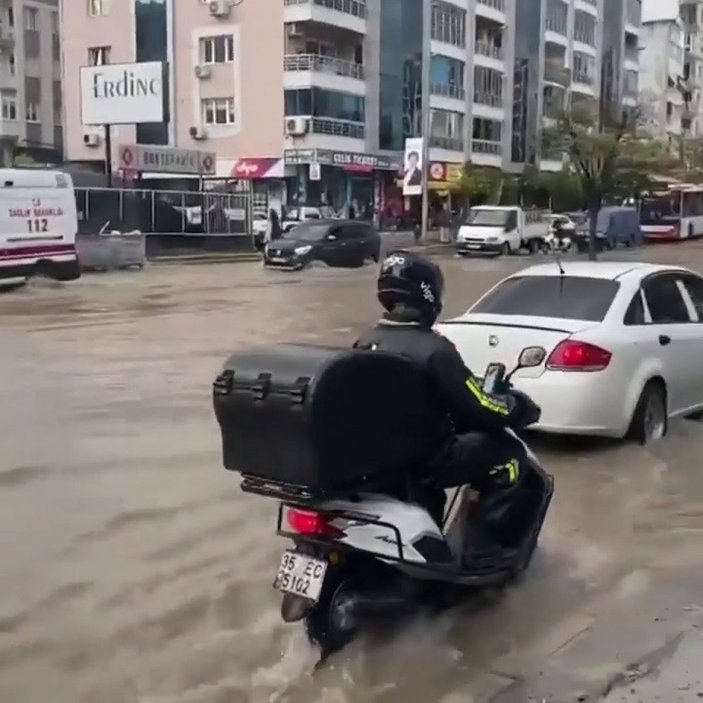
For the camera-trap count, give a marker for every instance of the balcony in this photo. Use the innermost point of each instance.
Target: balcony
(491, 9)
(7, 37)
(555, 24)
(448, 90)
(447, 143)
(483, 146)
(330, 72)
(344, 14)
(556, 72)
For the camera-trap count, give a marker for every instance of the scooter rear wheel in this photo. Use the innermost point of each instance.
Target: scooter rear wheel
(332, 624)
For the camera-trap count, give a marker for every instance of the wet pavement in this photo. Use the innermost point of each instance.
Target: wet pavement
(133, 568)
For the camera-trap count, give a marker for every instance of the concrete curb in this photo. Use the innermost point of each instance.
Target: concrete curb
(224, 258)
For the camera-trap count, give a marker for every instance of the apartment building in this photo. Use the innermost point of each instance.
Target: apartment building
(30, 73)
(558, 64)
(663, 86)
(691, 118)
(622, 21)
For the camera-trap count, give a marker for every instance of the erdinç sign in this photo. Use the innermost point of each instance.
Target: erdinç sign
(128, 93)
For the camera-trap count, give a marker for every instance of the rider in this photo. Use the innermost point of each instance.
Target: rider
(476, 450)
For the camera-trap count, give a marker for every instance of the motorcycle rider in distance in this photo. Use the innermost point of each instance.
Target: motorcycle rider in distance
(472, 445)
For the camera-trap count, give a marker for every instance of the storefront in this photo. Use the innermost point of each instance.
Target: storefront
(340, 179)
(267, 182)
(444, 187)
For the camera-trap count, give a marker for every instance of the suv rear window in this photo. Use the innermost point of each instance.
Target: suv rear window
(564, 297)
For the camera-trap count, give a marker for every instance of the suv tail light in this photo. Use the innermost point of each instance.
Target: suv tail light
(311, 524)
(571, 355)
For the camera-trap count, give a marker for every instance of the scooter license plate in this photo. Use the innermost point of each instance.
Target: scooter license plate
(300, 575)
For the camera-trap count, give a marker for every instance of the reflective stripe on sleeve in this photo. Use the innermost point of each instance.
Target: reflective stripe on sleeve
(487, 402)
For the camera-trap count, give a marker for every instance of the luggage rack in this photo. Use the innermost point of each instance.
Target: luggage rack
(282, 491)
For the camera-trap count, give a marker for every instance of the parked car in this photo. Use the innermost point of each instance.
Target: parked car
(260, 222)
(335, 242)
(623, 347)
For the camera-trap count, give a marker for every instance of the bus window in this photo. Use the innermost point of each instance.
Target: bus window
(661, 209)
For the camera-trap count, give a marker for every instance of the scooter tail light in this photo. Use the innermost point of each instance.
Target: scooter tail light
(308, 523)
(572, 355)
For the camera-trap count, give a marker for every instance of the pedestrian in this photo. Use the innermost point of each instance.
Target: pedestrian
(273, 230)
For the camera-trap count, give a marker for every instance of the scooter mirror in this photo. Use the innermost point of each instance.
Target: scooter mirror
(531, 357)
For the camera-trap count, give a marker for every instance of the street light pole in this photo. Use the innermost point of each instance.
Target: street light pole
(425, 112)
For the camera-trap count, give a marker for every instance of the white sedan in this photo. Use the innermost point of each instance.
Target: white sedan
(623, 341)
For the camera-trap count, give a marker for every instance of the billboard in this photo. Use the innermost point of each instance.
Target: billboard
(413, 167)
(165, 159)
(127, 93)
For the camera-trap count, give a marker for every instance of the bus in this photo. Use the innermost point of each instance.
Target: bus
(673, 214)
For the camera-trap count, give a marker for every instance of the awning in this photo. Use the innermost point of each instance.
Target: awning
(257, 167)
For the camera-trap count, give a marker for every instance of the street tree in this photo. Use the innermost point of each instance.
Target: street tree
(608, 159)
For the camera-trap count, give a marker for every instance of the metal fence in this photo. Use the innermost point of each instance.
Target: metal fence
(164, 211)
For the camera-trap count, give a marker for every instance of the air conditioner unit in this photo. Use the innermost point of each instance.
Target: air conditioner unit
(219, 8)
(294, 30)
(203, 71)
(296, 126)
(198, 132)
(92, 139)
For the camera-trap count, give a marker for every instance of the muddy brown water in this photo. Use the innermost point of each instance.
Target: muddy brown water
(133, 568)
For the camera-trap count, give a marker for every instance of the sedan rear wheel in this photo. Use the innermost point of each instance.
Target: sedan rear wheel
(649, 422)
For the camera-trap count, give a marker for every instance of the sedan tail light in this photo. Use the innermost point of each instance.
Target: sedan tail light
(572, 355)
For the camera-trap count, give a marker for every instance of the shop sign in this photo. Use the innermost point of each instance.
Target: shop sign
(343, 159)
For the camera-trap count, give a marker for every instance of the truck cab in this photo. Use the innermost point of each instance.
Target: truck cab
(501, 230)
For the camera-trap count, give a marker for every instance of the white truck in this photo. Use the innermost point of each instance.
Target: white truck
(502, 230)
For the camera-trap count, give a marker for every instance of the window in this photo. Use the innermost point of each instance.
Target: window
(218, 49)
(564, 297)
(55, 28)
(585, 28)
(635, 312)
(32, 112)
(448, 23)
(445, 123)
(694, 286)
(664, 300)
(218, 111)
(318, 102)
(11, 16)
(12, 62)
(98, 55)
(9, 107)
(30, 18)
(98, 7)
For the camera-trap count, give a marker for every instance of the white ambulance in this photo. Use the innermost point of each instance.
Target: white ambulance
(38, 226)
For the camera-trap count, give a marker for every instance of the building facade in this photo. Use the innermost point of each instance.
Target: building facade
(558, 66)
(30, 79)
(663, 86)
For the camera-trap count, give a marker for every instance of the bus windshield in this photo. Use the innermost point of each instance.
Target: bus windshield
(662, 209)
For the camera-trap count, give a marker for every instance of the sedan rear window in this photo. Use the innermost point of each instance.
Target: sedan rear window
(564, 297)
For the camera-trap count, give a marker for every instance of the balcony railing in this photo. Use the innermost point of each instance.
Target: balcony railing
(357, 8)
(557, 73)
(336, 128)
(491, 50)
(584, 78)
(591, 2)
(447, 90)
(449, 143)
(483, 146)
(556, 24)
(323, 64)
(484, 98)
(495, 4)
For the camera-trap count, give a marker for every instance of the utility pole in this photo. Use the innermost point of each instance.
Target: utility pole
(425, 113)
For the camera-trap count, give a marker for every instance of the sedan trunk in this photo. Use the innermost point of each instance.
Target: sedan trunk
(484, 339)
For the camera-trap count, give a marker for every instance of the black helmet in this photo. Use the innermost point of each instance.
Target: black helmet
(412, 282)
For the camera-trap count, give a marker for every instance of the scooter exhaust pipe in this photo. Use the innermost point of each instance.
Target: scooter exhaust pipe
(379, 602)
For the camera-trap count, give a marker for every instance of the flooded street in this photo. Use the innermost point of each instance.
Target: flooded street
(135, 570)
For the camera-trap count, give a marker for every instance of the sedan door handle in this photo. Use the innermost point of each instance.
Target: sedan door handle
(664, 340)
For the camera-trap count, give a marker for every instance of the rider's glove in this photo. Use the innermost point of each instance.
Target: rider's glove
(505, 475)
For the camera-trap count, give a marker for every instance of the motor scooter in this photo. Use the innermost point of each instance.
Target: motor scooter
(362, 555)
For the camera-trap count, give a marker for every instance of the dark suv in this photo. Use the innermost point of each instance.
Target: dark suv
(335, 242)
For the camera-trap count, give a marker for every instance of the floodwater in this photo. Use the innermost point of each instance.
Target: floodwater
(134, 569)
